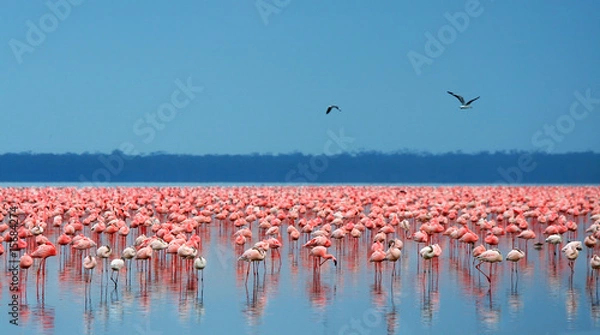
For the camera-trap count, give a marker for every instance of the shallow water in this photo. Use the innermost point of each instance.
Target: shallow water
(446, 295)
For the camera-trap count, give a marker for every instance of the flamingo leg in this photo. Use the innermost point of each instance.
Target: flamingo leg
(114, 281)
(486, 276)
(247, 272)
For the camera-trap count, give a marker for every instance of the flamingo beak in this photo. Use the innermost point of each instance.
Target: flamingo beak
(334, 262)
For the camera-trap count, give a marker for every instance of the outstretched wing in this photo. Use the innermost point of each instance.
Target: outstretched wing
(471, 101)
(332, 107)
(461, 99)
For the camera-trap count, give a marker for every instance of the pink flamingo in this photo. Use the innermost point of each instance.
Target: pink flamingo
(321, 252)
(89, 263)
(26, 261)
(44, 251)
(377, 257)
(515, 256)
(394, 253)
(253, 255)
(489, 256)
(571, 251)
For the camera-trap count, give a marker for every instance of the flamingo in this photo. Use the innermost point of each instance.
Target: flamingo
(321, 252)
(394, 253)
(595, 265)
(104, 252)
(515, 256)
(430, 251)
(25, 261)
(571, 251)
(377, 257)
(44, 251)
(590, 241)
(527, 235)
(116, 265)
(89, 262)
(554, 239)
(252, 255)
(144, 253)
(200, 264)
(489, 256)
(128, 253)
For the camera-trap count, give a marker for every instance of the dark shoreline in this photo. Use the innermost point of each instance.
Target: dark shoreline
(367, 167)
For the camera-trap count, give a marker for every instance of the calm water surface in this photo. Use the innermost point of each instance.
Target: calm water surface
(446, 296)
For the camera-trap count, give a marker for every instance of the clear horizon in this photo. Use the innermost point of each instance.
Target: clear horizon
(406, 152)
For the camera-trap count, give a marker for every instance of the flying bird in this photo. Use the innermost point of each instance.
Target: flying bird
(332, 107)
(462, 101)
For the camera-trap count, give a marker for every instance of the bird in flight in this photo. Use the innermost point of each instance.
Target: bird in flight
(462, 101)
(332, 107)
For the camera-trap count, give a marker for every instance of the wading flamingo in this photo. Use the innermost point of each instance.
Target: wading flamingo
(199, 265)
(253, 255)
(394, 253)
(595, 265)
(116, 265)
(44, 251)
(89, 263)
(321, 252)
(489, 256)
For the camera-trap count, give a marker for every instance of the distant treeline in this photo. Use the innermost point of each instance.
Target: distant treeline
(365, 167)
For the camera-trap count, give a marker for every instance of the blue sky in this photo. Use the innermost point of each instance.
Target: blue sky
(90, 84)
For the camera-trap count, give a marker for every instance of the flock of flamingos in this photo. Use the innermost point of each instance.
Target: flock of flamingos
(38, 223)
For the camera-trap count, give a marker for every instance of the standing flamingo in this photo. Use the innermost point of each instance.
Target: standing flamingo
(89, 263)
(321, 252)
(394, 253)
(377, 257)
(514, 256)
(489, 256)
(571, 251)
(554, 239)
(430, 252)
(200, 264)
(144, 253)
(44, 251)
(104, 252)
(595, 265)
(116, 265)
(252, 255)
